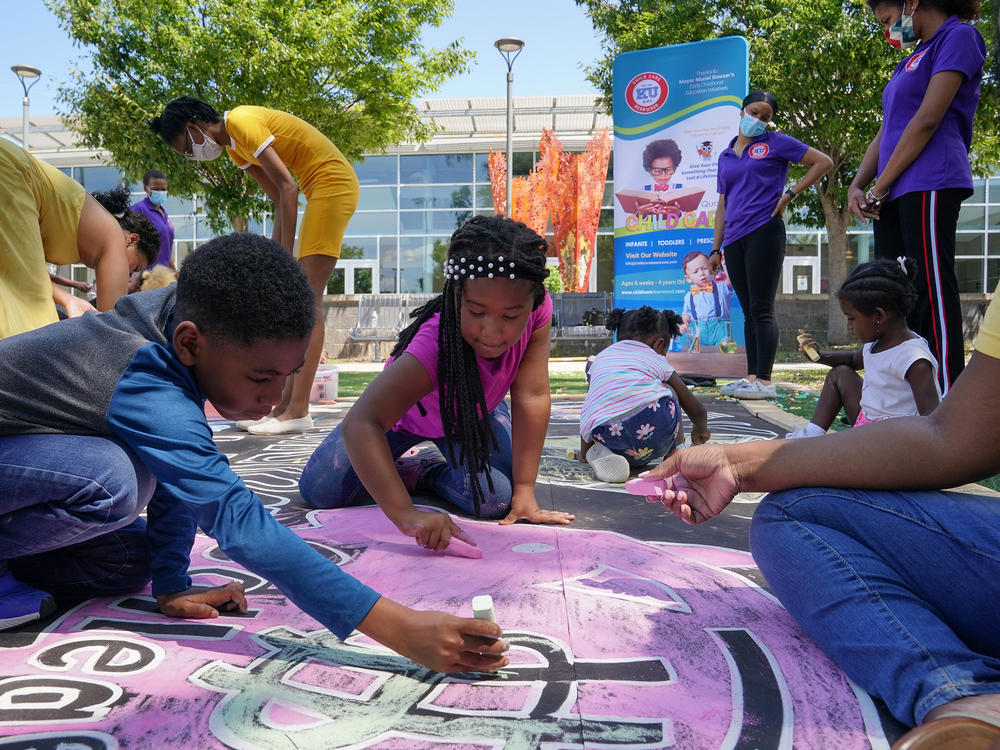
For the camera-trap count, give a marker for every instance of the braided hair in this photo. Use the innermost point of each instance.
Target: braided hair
(511, 250)
(116, 202)
(178, 113)
(882, 283)
(964, 9)
(644, 323)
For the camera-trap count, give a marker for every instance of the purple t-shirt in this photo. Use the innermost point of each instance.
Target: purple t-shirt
(944, 161)
(163, 227)
(754, 181)
(497, 374)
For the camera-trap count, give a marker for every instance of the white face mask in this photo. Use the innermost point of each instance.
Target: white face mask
(204, 151)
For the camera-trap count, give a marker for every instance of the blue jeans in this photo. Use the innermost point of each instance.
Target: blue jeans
(329, 480)
(69, 514)
(901, 589)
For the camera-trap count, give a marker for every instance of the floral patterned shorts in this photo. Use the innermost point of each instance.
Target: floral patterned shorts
(645, 435)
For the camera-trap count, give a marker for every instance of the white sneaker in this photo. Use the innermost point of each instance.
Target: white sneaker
(730, 388)
(246, 424)
(809, 431)
(277, 427)
(755, 391)
(608, 466)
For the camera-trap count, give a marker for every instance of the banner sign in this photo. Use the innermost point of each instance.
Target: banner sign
(675, 110)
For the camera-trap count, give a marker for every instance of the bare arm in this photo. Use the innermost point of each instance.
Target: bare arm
(920, 376)
(101, 244)
(866, 173)
(693, 408)
(819, 164)
(274, 179)
(715, 260)
(531, 404)
(955, 444)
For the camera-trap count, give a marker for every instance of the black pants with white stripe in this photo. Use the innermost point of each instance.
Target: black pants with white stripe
(922, 226)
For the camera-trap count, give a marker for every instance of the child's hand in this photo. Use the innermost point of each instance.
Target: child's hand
(436, 640)
(524, 506)
(432, 530)
(700, 435)
(204, 603)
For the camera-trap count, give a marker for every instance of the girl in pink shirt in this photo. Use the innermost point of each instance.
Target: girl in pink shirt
(487, 333)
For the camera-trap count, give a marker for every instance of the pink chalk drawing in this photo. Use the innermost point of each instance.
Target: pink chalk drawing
(615, 643)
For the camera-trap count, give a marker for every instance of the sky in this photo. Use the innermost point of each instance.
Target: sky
(550, 63)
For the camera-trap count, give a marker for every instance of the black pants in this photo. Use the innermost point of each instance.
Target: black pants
(754, 263)
(922, 226)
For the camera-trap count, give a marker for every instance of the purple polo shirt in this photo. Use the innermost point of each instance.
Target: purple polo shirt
(163, 227)
(944, 161)
(754, 181)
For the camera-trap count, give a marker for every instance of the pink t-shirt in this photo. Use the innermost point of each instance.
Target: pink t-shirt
(497, 375)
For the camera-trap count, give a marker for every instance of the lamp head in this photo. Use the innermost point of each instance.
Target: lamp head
(509, 44)
(26, 71)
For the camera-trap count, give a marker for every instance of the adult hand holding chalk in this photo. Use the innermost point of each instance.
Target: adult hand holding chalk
(653, 489)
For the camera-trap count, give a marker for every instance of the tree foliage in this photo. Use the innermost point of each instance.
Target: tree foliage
(825, 60)
(352, 68)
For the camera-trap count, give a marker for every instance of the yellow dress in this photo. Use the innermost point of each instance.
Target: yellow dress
(988, 338)
(38, 224)
(325, 177)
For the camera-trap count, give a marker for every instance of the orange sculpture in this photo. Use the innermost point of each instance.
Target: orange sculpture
(570, 188)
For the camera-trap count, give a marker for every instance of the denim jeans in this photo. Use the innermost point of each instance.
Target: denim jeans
(901, 589)
(329, 480)
(69, 514)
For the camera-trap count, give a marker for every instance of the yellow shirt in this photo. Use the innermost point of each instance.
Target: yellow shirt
(317, 164)
(988, 339)
(38, 224)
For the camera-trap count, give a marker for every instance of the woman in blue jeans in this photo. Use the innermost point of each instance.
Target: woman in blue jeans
(898, 584)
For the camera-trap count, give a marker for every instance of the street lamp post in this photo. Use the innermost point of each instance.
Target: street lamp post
(510, 48)
(23, 72)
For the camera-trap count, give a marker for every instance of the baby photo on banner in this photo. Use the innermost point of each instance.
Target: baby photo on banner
(675, 109)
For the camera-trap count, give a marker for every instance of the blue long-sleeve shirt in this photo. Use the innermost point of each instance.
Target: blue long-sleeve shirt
(116, 374)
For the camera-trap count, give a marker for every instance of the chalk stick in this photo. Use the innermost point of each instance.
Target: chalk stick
(482, 607)
(463, 549)
(644, 486)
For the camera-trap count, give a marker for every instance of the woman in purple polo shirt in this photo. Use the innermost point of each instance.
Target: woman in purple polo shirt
(154, 182)
(920, 158)
(749, 229)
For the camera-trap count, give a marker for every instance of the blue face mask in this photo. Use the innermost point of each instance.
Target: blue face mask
(751, 127)
(901, 34)
(156, 197)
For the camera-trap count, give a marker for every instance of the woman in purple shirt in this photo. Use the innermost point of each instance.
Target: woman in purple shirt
(748, 226)
(154, 182)
(920, 159)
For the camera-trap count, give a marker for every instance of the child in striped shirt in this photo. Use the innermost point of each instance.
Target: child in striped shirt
(631, 414)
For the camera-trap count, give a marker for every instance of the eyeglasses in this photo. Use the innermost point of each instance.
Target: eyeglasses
(657, 171)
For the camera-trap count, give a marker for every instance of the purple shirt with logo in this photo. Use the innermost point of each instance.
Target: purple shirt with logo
(944, 161)
(163, 227)
(754, 181)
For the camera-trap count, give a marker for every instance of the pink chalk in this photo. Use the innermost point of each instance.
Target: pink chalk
(463, 549)
(647, 487)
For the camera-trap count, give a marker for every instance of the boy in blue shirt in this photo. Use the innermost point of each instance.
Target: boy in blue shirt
(102, 417)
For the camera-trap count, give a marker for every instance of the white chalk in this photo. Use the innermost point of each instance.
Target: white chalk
(482, 607)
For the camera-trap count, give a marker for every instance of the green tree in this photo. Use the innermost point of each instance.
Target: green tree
(352, 68)
(826, 61)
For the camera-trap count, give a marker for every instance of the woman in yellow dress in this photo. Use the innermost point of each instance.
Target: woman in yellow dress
(50, 218)
(276, 149)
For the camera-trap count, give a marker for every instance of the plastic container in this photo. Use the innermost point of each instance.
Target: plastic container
(325, 384)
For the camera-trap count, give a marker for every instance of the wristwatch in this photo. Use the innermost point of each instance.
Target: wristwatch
(791, 194)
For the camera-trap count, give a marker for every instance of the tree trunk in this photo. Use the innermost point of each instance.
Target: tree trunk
(836, 230)
(240, 223)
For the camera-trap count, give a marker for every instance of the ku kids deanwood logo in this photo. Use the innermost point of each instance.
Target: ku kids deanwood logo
(759, 151)
(646, 93)
(915, 60)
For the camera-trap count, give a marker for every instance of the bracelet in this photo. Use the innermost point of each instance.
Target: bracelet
(715, 251)
(872, 200)
(792, 194)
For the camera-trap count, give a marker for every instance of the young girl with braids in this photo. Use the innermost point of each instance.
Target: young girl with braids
(631, 414)
(486, 333)
(900, 371)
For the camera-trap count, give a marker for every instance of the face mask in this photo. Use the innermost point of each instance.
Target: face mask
(901, 34)
(751, 127)
(156, 197)
(205, 151)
